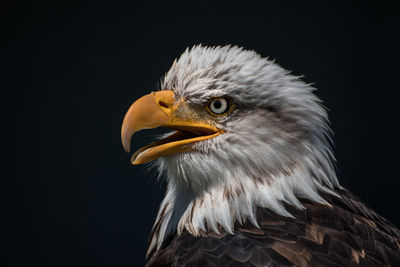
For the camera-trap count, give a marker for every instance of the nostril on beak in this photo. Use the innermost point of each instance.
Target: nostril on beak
(162, 104)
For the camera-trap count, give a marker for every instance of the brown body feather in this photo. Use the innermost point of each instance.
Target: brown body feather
(346, 234)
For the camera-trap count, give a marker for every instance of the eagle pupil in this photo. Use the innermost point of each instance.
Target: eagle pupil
(217, 104)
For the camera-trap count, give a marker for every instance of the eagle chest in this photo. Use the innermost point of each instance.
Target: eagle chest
(346, 234)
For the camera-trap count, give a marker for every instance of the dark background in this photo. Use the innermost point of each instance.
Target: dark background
(70, 71)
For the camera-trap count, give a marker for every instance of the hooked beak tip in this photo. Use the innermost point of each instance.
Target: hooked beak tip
(126, 136)
(127, 146)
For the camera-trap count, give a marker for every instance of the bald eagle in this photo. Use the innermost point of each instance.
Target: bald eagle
(250, 172)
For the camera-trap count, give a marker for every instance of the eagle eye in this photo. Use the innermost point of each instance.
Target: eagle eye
(218, 106)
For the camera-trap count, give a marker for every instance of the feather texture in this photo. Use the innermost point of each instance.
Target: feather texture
(347, 233)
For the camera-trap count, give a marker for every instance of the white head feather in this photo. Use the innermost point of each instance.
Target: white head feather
(275, 148)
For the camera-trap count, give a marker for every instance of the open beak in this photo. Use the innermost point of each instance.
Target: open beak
(160, 109)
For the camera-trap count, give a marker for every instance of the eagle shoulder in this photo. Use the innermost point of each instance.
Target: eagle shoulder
(346, 234)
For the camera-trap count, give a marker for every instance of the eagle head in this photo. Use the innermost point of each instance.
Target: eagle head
(246, 134)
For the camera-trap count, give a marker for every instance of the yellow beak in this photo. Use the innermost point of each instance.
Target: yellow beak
(160, 109)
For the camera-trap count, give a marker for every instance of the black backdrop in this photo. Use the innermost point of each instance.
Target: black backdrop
(70, 71)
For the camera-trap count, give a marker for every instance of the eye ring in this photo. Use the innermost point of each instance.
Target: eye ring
(219, 106)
